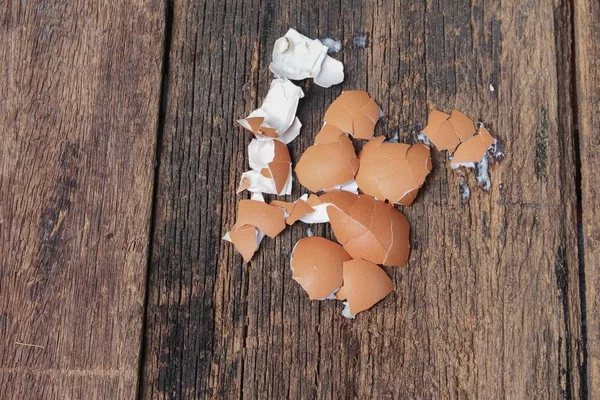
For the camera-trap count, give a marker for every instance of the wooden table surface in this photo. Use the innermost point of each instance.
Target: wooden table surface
(119, 161)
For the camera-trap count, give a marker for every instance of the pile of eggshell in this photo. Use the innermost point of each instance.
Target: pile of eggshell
(369, 229)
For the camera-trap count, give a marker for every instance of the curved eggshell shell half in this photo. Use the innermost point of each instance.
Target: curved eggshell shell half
(473, 149)
(371, 229)
(354, 112)
(326, 165)
(317, 266)
(365, 284)
(267, 218)
(393, 171)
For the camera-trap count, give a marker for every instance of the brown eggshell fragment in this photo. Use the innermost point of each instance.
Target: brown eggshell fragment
(328, 134)
(393, 171)
(281, 152)
(267, 218)
(313, 200)
(464, 127)
(340, 198)
(244, 238)
(435, 120)
(327, 165)
(317, 266)
(255, 123)
(365, 284)
(286, 205)
(369, 229)
(441, 132)
(281, 165)
(473, 150)
(354, 112)
(301, 208)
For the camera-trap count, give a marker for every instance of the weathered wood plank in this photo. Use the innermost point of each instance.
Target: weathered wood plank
(587, 51)
(488, 306)
(79, 99)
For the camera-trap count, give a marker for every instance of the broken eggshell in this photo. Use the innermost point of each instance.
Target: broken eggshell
(276, 118)
(393, 171)
(267, 218)
(354, 112)
(317, 266)
(298, 57)
(473, 150)
(296, 210)
(271, 168)
(246, 239)
(365, 284)
(328, 164)
(447, 132)
(307, 209)
(369, 228)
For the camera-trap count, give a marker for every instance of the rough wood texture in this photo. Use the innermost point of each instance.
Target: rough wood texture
(587, 49)
(488, 306)
(79, 99)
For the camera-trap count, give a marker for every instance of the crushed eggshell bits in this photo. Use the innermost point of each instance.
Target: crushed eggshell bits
(354, 112)
(329, 163)
(393, 171)
(317, 266)
(365, 284)
(370, 229)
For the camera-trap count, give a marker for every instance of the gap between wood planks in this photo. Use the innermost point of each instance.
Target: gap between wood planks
(578, 183)
(168, 12)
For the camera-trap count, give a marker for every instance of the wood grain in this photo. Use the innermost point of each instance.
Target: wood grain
(79, 99)
(587, 50)
(488, 306)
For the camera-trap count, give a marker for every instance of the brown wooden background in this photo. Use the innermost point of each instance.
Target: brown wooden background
(119, 159)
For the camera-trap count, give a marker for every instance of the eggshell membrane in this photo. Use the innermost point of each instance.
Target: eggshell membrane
(244, 238)
(276, 117)
(354, 112)
(317, 265)
(301, 208)
(369, 228)
(326, 165)
(269, 219)
(365, 284)
(392, 171)
(474, 149)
